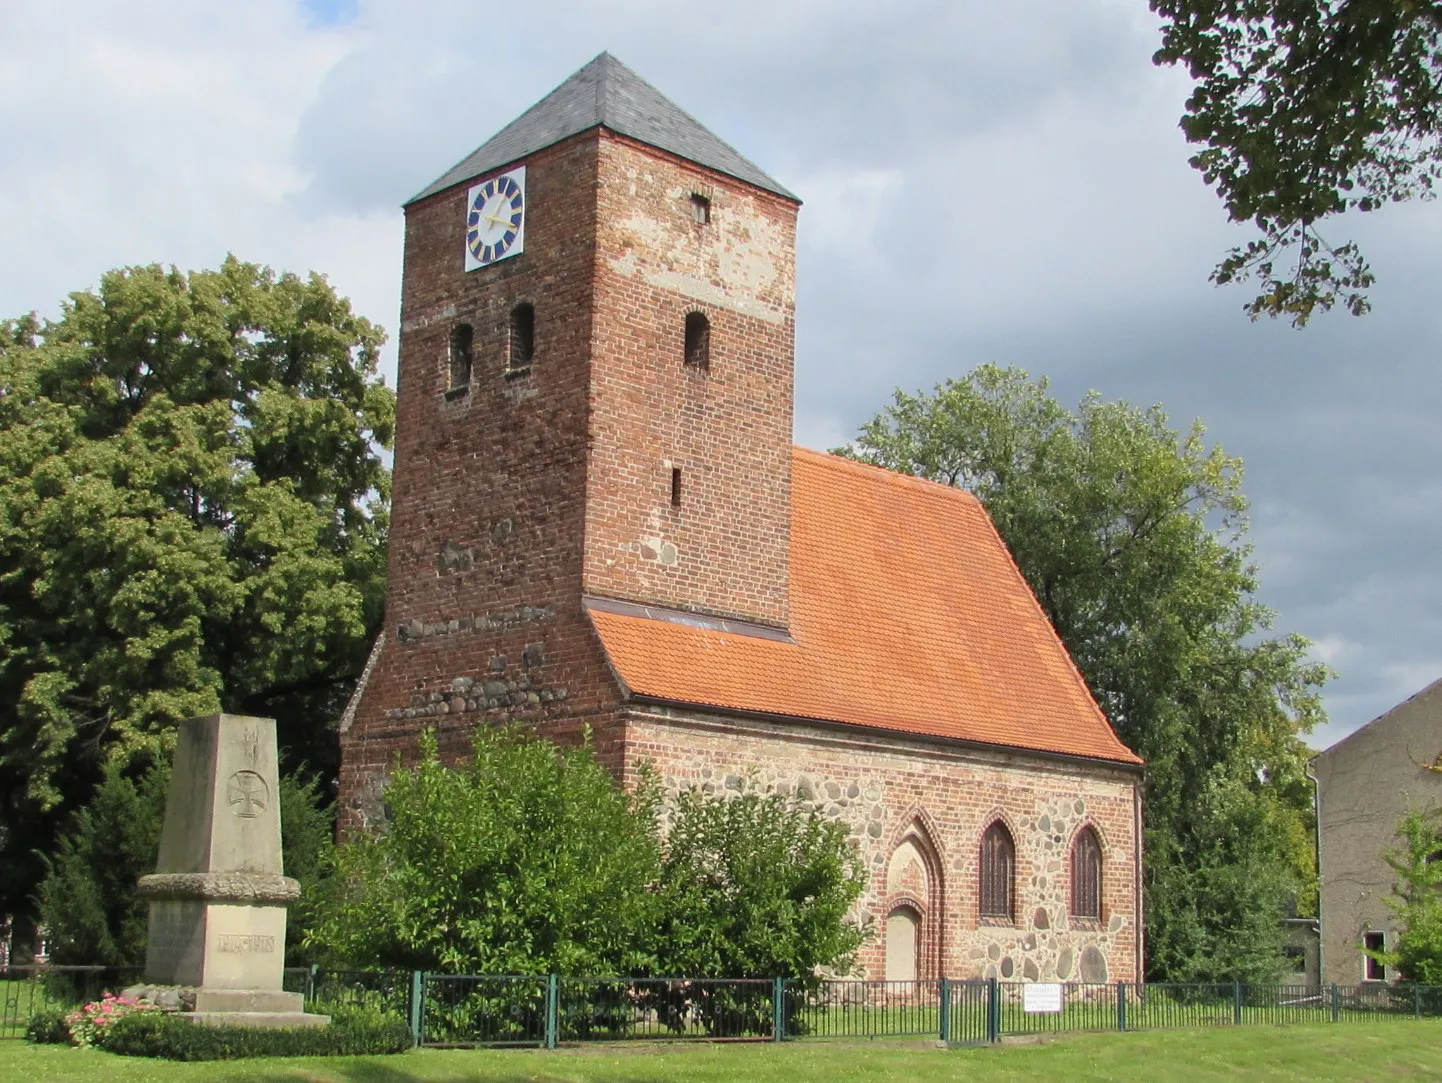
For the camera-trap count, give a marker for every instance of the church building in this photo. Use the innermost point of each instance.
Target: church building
(600, 521)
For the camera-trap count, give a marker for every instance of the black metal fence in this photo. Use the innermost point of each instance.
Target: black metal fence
(28, 990)
(470, 1009)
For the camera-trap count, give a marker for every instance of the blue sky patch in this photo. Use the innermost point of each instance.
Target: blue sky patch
(330, 12)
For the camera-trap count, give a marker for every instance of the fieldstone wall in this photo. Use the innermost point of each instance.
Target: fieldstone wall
(928, 803)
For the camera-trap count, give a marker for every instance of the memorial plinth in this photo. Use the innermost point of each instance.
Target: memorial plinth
(219, 893)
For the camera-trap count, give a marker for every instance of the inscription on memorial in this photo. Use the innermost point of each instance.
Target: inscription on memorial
(244, 944)
(176, 930)
(247, 794)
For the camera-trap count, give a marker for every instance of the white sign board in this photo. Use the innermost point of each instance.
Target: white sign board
(1041, 997)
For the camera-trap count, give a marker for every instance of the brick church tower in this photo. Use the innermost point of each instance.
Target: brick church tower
(599, 521)
(595, 408)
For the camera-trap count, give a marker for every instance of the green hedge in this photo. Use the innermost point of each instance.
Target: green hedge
(48, 1027)
(155, 1035)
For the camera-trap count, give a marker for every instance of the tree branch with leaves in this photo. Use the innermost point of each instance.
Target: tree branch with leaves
(1305, 110)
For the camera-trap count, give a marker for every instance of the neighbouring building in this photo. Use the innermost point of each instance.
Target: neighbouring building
(600, 521)
(1366, 783)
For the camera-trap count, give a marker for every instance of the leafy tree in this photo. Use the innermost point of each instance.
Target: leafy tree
(530, 859)
(1133, 538)
(192, 519)
(1417, 898)
(88, 899)
(756, 887)
(1306, 109)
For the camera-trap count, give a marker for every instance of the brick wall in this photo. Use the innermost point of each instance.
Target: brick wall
(904, 798)
(515, 496)
(483, 609)
(727, 428)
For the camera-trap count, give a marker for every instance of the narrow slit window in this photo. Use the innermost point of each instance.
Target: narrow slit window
(698, 341)
(461, 339)
(700, 208)
(676, 487)
(523, 340)
(1086, 876)
(998, 873)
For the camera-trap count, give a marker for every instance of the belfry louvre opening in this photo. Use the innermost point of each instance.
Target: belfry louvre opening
(523, 340)
(698, 341)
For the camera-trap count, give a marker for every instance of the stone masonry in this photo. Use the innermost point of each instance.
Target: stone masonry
(898, 796)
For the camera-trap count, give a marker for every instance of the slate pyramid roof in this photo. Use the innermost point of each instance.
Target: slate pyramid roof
(608, 94)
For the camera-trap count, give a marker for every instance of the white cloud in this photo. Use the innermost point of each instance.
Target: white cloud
(983, 182)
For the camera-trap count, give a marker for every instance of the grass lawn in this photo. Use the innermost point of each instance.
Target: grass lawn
(1394, 1052)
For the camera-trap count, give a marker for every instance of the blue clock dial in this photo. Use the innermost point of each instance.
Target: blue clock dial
(495, 218)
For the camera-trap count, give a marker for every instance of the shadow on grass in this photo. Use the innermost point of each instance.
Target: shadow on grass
(389, 1070)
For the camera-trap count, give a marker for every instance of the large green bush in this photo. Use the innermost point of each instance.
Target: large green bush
(756, 887)
(531, 859)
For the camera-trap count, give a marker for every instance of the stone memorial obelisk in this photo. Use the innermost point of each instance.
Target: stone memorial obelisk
(219, 893)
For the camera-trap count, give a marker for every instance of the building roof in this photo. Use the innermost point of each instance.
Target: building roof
(607, 94)
(907, 614)
(1381, 723)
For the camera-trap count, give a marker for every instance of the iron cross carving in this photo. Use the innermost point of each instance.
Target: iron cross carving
(247, 794)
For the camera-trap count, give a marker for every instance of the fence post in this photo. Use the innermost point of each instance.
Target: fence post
(1121, 1005)
(993, 1011)
(1236, 1003)
(946, 1010)
(418, 998)
(1336, 1003)
(553, 1010)
(310, 984)
(778, 1009)
(1416, 1002)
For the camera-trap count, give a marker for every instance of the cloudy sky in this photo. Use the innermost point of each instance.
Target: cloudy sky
(982, 182)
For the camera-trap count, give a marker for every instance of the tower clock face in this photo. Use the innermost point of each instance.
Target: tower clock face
(496, 219)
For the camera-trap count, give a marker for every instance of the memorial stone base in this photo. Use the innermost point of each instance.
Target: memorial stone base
(224, 961)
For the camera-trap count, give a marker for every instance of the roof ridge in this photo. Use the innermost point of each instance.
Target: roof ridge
(894, 477)
(1388, 713)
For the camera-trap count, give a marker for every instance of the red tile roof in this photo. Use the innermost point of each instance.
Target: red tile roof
(907, 613)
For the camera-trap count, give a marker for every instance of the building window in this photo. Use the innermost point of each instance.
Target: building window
(698, 341)
(998, 873)
(700, 208)
(1373, 969)
(675, 486)
(461, 338)
(523, 340)
(1086, 876)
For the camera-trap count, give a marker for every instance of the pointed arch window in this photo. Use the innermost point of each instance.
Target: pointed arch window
(1086, 875)
(523, 340)
(460, 358)
(698, 341)
(998, 873)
